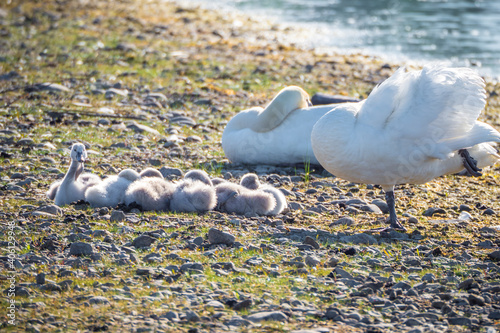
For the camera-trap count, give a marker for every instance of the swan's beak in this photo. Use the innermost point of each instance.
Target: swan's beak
(309, 103)
(80, 157)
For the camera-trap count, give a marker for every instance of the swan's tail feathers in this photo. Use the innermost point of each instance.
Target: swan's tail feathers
(51, 193)
(480, 133)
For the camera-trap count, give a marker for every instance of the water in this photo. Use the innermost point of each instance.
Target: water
(463, 32)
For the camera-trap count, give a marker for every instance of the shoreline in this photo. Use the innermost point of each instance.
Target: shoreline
(152, 84)
(301, 32)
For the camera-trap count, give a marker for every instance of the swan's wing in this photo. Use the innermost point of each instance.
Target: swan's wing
(438, 104)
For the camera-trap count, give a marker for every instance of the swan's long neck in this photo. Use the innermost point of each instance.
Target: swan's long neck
(75, 169)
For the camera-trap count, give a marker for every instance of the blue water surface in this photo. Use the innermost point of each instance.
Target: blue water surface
(465, 32)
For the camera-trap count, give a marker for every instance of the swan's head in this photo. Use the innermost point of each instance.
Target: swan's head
(150, 172)
(129, 174)
(250, 181)
(198, 175)
(292, 98)
(78, 153)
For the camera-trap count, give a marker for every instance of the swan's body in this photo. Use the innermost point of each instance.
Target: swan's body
(251, 181)
(111, 191)
(278, 134)
(151, 193)
(412, 128)
(74, 184)
(234, 198)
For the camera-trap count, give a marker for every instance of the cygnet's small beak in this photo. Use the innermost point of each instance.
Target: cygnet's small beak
(309, 103)
(80, 158)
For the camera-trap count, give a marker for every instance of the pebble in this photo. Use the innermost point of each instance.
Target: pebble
(117, 216)
(311, 241)
(166, 172)
(360, 239)
(40, 278)
(242, 305)
(267, 316)
(98, 300)
(192, 316)
(139, 128)
(81, 249)
(311, 261)
(55, 87)
(216, 236)
(344, 221)
(143, 241)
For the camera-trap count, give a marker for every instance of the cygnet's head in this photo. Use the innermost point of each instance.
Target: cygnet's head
(198, 175)
(250, 181)
(150, 172)
(129, 174)
(226, 191)
(78, 153)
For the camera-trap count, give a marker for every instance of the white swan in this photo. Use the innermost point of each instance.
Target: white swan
(74, 184)
(111, 191)
(278, 134)
(234, 198)
(251, 181)
(151, 193)
(413, 127)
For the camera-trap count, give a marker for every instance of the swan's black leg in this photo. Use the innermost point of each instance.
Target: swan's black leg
(393, 217)
(470, 164)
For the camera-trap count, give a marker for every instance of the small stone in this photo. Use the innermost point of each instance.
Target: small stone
(267, 316)
(311, 261)
(332, 262)
(464, 216)
(139, 128)
(476, 300)
(198, 240)
(166, 172)
(143, 241)
(429, 277)
(345, 221)
(81, 249)
(52, 87)
(117, 216)
(51, 287)
(40, 278)
(242, 305)
(464, 208)
(382, 205)
(216, 236)
(51, 209)
(402, 285)
(412, 322)
(495, 255)
(489, 211)
(342, 273)
(495, 315)
(214, 304)
(460, 321)
(360, 239)
(311, 241)
(192, 316)
(98, 300)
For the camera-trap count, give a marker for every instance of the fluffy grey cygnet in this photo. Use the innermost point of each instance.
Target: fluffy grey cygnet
(251, 181)
(234, 198)
(151, 193)
(111, 191)
(150, 172)
(74, 184)
(194, 193)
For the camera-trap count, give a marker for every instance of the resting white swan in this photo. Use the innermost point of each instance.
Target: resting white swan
(234, 198)
(251, 181)
(278, 134)
(413, 127)
(111, 191)
(151, 193)
(74, 184)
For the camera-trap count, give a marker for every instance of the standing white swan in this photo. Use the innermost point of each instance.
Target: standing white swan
(413, 127)
(74, 184)
(277, 134)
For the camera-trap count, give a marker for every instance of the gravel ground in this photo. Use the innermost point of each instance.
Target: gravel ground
(152, 85)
